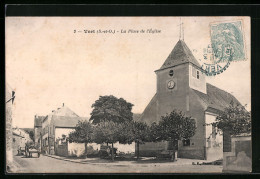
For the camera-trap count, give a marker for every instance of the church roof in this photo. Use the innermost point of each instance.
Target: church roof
(179, 55)
(136, 116)
(216, 98)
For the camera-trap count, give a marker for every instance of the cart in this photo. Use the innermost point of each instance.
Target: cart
(31, 150)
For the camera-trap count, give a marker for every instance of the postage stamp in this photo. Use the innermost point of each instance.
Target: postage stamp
(227, 41)
(227, 45)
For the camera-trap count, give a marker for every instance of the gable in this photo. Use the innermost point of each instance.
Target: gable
(64, 111)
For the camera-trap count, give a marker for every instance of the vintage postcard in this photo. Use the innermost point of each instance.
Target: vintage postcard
(128, 94)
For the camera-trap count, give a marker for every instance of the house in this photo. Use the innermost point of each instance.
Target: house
(9, 98)
(38, 130)
(20, 138)
(181, 85)
(55, 126)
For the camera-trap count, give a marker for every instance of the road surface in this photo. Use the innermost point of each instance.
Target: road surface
(46, 164)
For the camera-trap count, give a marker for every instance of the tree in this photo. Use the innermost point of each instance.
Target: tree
(154, 133)
(31, 134)
(173, 127)
(110, 108)
(140, 134)
(83, 133)
(107, 132)
(235, 119)
(134, 131)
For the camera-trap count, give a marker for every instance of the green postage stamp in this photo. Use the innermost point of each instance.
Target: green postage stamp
(227, 41)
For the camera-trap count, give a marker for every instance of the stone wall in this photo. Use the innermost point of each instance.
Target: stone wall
(61, 150)
(239, 158)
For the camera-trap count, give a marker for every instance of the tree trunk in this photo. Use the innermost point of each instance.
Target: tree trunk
(86, 147)
(112, 152)
(137, 150)
(173, 151)
(174, 142)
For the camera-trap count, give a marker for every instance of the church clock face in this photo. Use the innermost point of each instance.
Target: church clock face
(171, 84)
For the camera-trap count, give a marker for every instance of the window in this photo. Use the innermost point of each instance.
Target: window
(198, 75)
(186, 142)
(171, 73)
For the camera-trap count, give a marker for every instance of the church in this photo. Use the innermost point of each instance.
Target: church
(181, 85)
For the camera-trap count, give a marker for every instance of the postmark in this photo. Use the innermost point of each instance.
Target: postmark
(227, 45)
(212, 64)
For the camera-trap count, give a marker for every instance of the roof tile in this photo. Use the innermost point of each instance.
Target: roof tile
(179, 55)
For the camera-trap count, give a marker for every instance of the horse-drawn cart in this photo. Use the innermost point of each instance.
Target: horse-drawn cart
(30, 151)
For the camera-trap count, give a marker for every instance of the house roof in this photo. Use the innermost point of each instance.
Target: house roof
(38, 121)
(66, 121)
(28, 130)
(64, 111)
(179, 55)
(216, 98)
(20, 132)
(18, 135)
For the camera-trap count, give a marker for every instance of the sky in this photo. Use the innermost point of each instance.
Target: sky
(47, 64)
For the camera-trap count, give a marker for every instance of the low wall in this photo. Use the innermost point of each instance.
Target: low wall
(191, 154)
(238, 159)
(150, 149)
(61, 150)
(76, 149)
(214, 153)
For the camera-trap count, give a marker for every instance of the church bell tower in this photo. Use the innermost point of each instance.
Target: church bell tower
(179, 75)
(179, 72)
